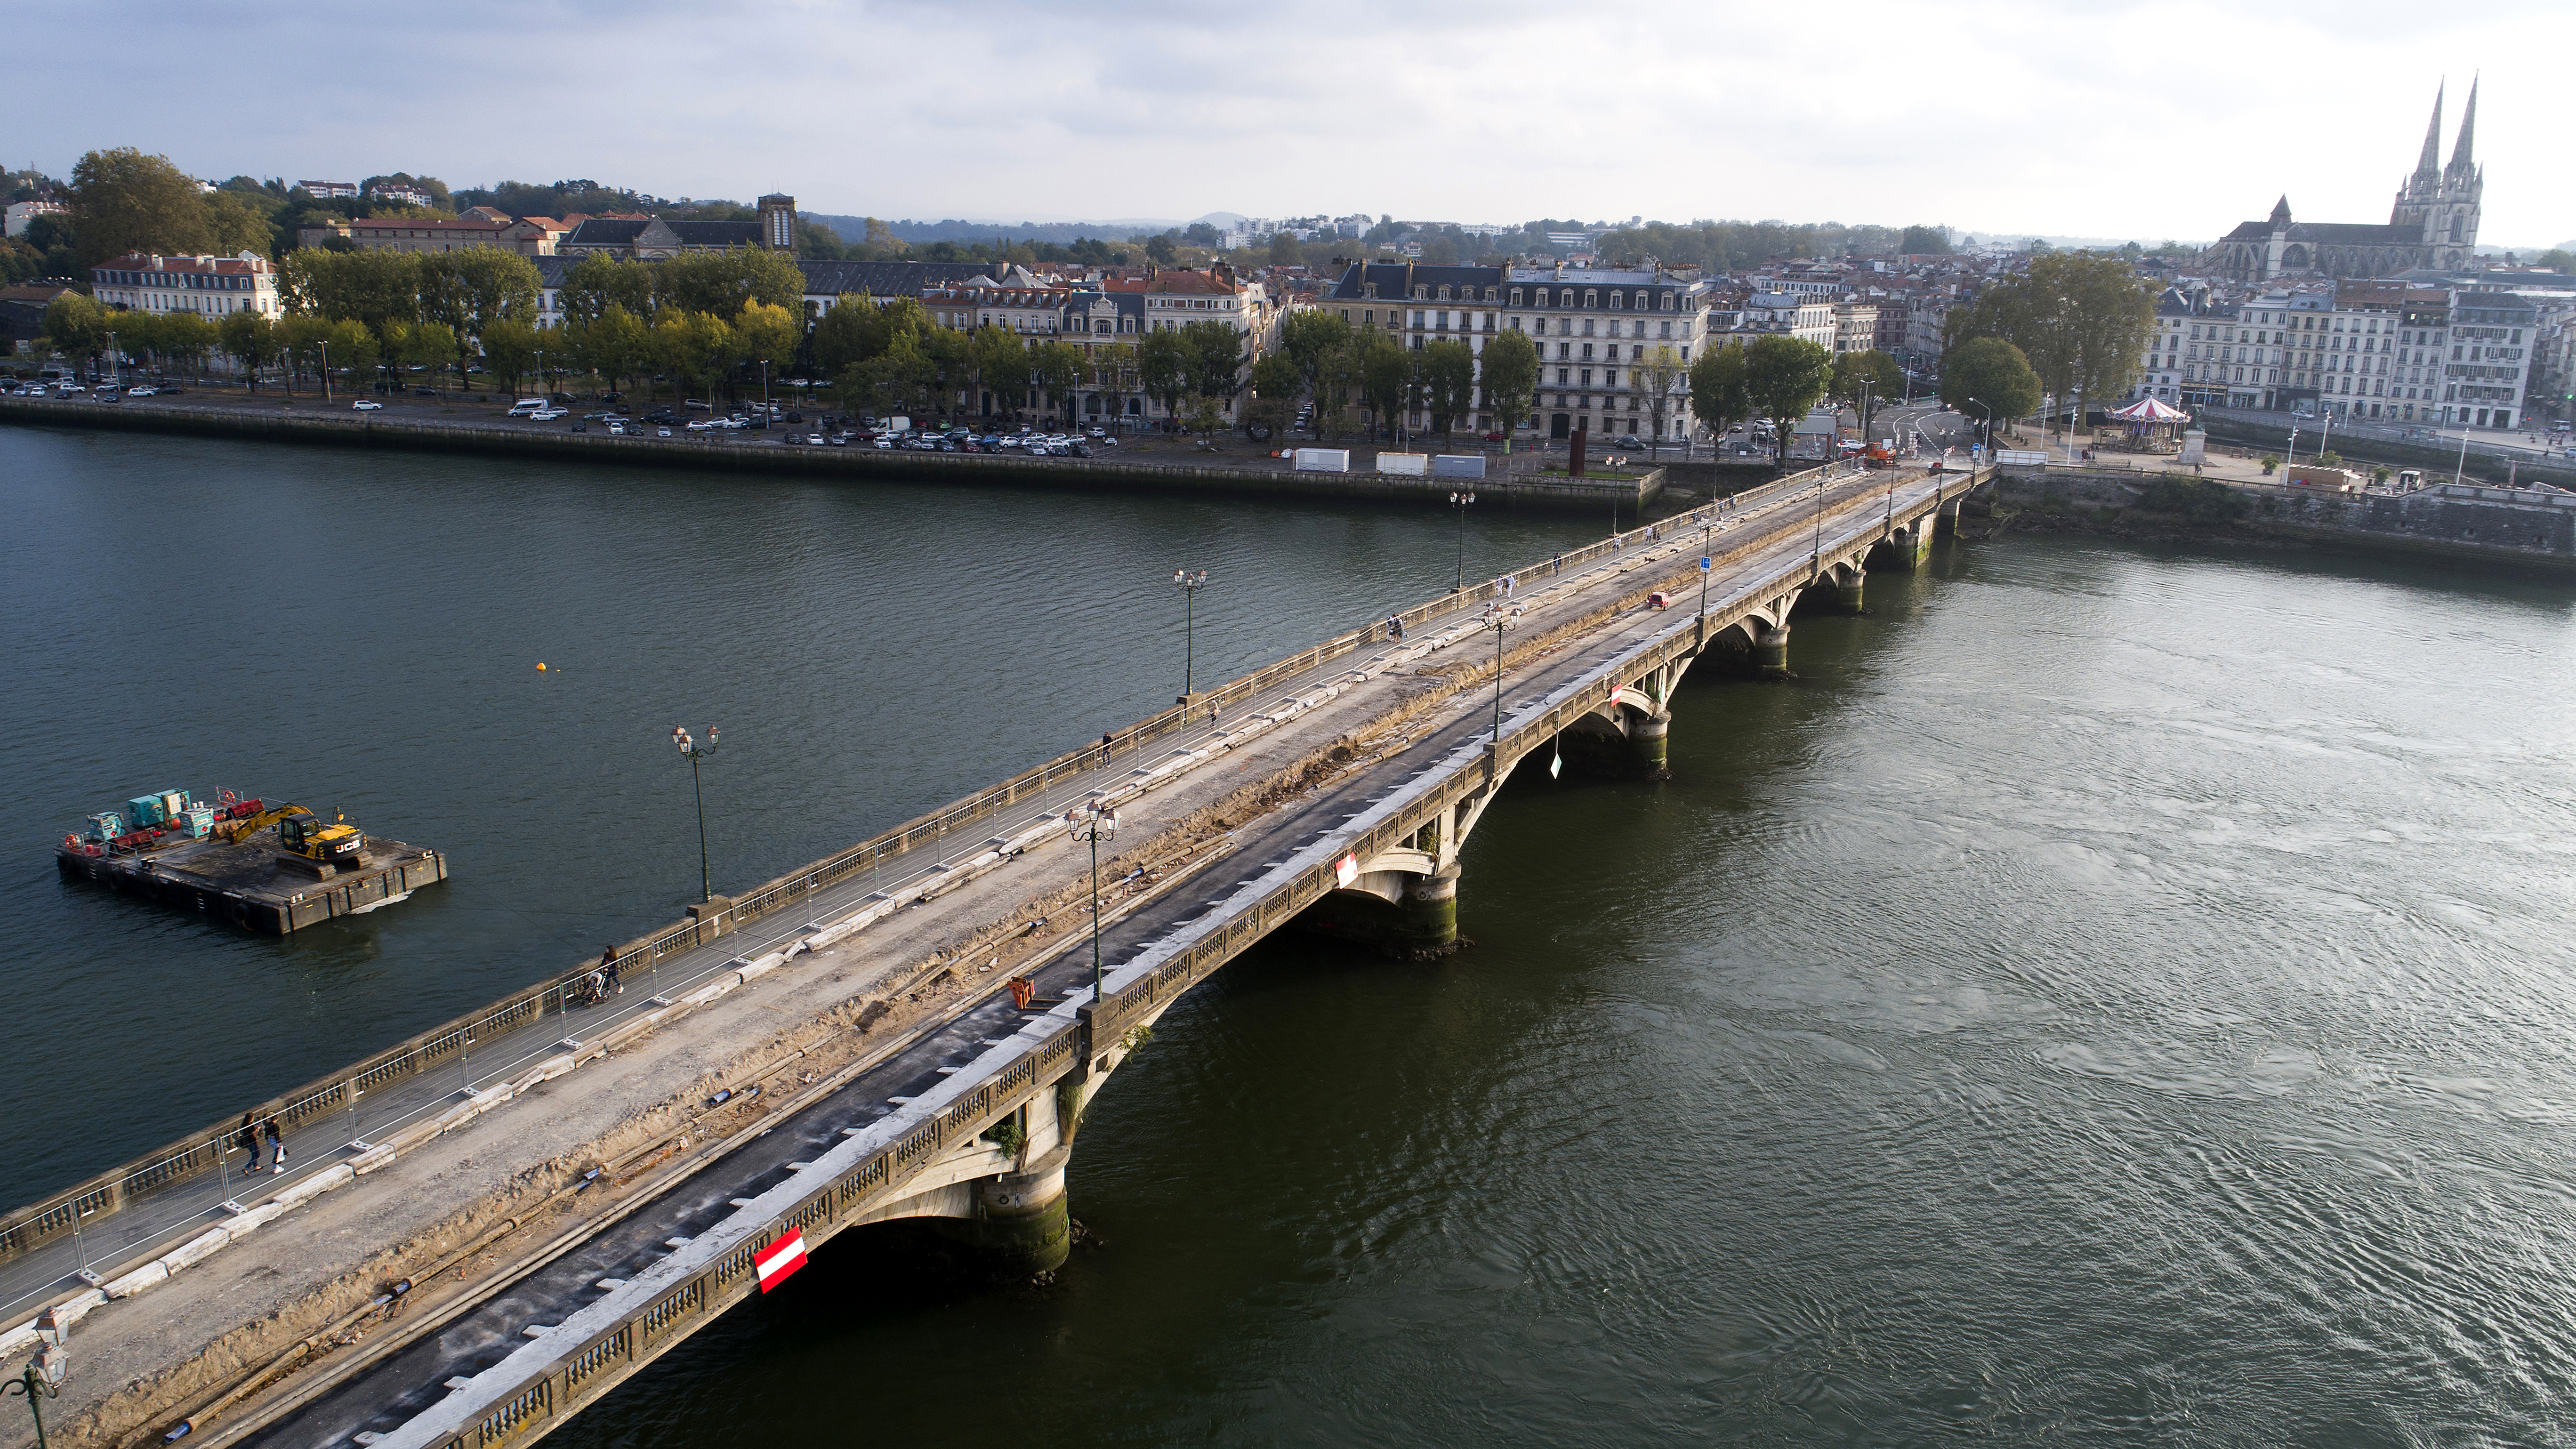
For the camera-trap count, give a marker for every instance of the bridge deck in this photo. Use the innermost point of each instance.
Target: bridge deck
(924, 1065)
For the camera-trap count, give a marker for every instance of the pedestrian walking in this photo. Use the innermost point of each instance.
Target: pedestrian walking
(276, 1149)
(1211, 716)
(1105, 738)
(1556, 565)
(248, 1141)
(608, 970)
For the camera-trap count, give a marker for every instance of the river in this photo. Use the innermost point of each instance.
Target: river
(2112, 996)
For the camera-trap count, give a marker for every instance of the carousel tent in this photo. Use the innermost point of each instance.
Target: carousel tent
(2148, 410)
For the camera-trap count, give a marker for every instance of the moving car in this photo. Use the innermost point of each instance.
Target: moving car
(366, 405)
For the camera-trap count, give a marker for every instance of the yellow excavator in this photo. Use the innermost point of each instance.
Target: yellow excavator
(302, 834)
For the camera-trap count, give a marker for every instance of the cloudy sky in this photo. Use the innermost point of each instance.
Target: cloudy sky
(2014, 116)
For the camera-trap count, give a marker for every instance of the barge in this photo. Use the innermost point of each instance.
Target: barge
(273, 870)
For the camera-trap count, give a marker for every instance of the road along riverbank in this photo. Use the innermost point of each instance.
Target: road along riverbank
(310, 423)
(2524, 529)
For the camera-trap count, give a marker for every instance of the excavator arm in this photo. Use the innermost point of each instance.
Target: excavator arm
(241, 830)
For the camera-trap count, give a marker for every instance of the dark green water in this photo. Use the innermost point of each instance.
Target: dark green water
(2112, 998)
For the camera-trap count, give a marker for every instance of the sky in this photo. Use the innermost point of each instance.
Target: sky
(2178, 119)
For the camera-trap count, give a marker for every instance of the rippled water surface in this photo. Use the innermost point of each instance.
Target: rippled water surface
(2110, 998)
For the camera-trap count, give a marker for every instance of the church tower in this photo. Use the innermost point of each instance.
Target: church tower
(2438, 206)
(2464, 182)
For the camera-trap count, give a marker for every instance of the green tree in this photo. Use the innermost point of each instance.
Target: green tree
(598, 282)
(2557, 259)
(1661, 380)
(1214, 359)
(299, 340)
(997, 361)
(721, 283)
(1510, 363)
(691, 348)
(1449, 381)
(376, 289)
(767, 334)
(1116, 367)
(1308, 334)
(135, 336)
(613, 344)
(354, 349)
(1717, 389)
(509, 350)
(186, 338)
(124, 201)
(1785, 377)
(427, 345)
(1285, 251)
(855, 329)
(249, 339)
(2082, 321)
(235, 225)
(1919, 241)
(1163, 367)
(1277, 382)
(468, 291)
(1389, 374)
(1992, 374)
(1059, 367)
(950, 354)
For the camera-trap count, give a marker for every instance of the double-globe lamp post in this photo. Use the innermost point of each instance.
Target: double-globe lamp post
(1095, 823)
(1190, 584)
(1459, 503)
(696, 754)
(43, 1376)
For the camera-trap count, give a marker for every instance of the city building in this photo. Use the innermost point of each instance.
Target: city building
(2492, 336)
(210, 285)
(653, 238)
(329, 189)
(396, 191)
(1855, 326)
(22, 214)
(1565, 309)
(407, 233)
(2433, 223)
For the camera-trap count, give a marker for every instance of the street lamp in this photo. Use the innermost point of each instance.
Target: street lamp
(1190, 584)
(694, 753)
(1459, 503)
(325, 344)
(43, 1377)
(1988, 409)
(1095, 824)
(1495, 619)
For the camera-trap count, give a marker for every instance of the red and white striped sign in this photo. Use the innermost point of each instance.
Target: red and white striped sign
(1346, 870)
(779, 1259)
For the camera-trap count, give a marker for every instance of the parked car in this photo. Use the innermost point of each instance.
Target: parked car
(366, 405)
(704, 407)
(424, 392)
(1629, 440)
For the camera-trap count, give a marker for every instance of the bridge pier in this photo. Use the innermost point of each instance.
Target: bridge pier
(1771, 651)
(1023, 1220)
(1847, 591)
(1647, 744)
(1428, 923)
(1906, 549)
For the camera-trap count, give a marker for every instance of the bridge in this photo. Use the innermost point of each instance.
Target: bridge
(838, 1047)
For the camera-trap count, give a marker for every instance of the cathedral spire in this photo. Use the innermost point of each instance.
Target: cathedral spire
(2431, 165)
(2462, 158)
